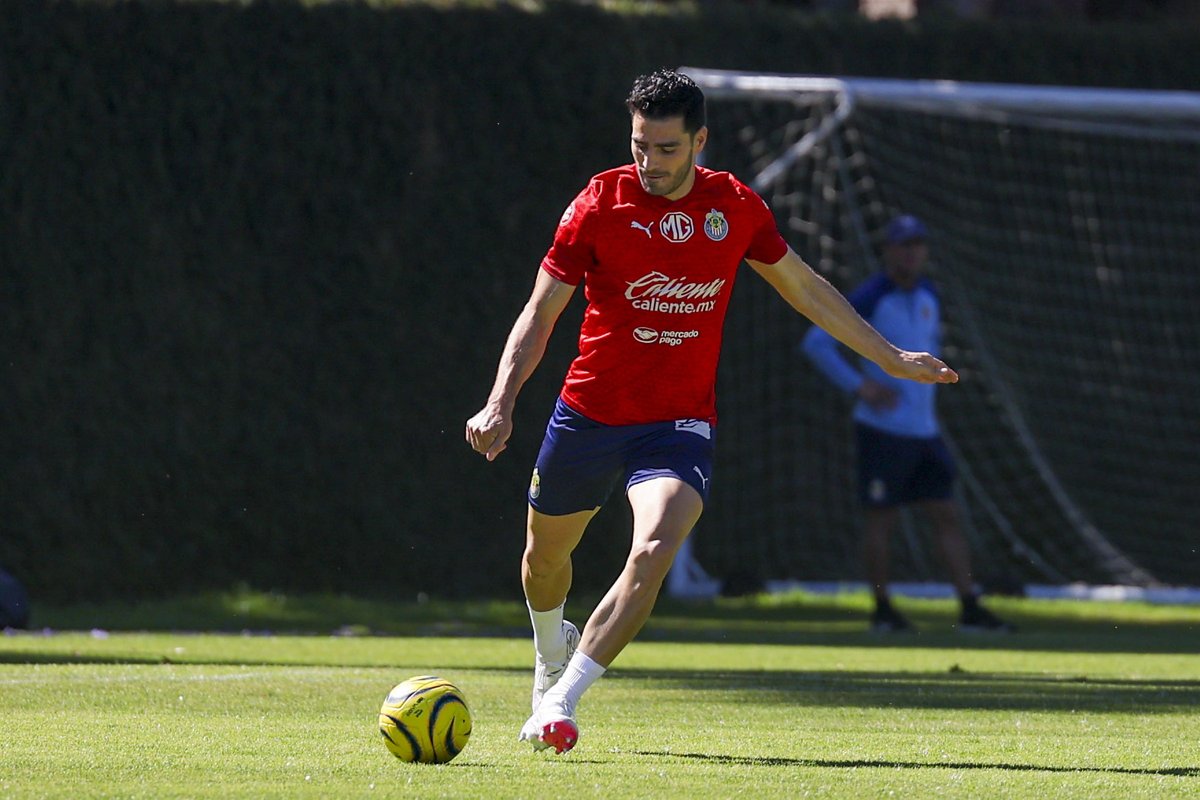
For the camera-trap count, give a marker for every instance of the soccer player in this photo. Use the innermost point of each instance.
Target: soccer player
(657, 244)
(902, 458)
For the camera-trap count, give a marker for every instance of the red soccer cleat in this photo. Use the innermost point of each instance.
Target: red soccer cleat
(560, 734)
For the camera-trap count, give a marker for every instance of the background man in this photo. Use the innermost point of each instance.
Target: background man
(902, 458)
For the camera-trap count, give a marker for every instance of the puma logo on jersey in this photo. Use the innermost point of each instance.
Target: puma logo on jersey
(643, 228)
(703, 480)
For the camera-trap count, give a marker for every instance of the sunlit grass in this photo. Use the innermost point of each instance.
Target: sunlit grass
(771, 697)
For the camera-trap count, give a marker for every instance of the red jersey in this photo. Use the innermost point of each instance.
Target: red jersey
(658, 275)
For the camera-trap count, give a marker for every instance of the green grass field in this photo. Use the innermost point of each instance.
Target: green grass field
(759, 698)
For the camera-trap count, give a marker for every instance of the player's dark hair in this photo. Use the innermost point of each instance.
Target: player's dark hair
(667, 93)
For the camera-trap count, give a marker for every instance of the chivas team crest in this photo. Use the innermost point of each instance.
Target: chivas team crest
(715, 226)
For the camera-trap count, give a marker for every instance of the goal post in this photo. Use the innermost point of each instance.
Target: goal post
(1065, 233)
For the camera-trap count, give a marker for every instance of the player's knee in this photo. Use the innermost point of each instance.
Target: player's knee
(651, 559)
(542, 562)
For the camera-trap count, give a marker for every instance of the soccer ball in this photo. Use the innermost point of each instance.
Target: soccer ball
(425, 719)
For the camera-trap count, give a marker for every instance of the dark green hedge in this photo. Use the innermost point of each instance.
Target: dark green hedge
(258, 262)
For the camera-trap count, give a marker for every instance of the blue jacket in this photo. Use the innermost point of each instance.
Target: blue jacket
(911, 320)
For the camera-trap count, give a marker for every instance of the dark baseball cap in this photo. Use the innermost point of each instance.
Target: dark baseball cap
(906, 228)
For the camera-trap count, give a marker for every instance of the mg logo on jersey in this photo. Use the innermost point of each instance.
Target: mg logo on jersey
(676, 227)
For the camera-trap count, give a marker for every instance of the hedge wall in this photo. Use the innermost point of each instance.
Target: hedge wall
(259, 261)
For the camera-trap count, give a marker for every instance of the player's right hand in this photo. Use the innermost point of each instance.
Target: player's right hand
(920, 367)
(488, 432)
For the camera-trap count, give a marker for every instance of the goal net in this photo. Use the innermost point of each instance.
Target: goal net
(1065, 240)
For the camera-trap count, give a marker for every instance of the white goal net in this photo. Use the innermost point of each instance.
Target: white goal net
(1065, 240)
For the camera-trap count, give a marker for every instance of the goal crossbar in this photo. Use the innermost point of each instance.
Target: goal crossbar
(960, 97)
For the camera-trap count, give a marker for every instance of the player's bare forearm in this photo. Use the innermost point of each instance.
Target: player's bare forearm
(523, 351)
(817, 299)
(488, 431)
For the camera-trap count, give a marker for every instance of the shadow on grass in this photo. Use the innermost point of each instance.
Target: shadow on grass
(953, 689)
(1046, 627)
(925, 690)
(1071, 638)
(1183, 772)
(802, 620)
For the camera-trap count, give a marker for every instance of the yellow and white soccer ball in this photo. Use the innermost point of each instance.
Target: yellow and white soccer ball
(425, 719)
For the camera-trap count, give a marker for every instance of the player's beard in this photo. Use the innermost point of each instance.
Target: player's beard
(672, 182)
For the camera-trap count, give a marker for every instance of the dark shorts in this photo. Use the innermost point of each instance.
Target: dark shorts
(896, 470)
(582, 460)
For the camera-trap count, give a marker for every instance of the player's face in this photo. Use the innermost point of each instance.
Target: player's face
(905, 260)
(665, 155)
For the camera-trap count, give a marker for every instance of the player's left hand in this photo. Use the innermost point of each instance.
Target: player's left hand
(922, 368)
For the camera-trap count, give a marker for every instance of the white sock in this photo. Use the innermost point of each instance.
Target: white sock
(580, 674)
(548, 639)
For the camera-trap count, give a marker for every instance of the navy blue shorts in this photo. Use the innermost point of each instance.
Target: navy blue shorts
(896, 470)
(582, 460)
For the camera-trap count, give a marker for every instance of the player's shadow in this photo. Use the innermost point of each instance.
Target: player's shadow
(855, 763)
(951, 689)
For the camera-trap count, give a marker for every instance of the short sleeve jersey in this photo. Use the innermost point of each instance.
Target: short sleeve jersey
(658, 275)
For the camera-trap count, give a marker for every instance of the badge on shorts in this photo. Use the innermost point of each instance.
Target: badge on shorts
(535, 484)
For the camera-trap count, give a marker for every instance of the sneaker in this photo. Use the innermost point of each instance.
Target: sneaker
(547, 673)
(889, 620)
(980, 620)
(553, 726)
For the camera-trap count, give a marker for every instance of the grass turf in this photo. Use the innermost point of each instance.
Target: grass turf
(763, 697)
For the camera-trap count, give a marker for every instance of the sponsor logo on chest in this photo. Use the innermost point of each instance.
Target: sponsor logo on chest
(655, 291)
(670, 338)
(677, 227)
